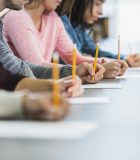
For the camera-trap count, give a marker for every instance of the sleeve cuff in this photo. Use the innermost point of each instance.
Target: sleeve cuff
(11, 104)
(66, 71)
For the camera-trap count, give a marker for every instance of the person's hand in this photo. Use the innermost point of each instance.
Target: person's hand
(86, 72)
(39, 106)
(103, 60)
(112, 69)
(34, 85)
(124, 67)
(133, 60)
(71, 88)
(68, 87)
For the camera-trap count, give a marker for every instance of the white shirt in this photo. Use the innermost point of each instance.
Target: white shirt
(10, 103)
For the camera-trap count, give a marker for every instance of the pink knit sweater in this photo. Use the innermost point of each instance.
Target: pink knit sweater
(38, 47)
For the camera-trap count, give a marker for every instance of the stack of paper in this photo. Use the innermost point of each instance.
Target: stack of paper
(105, 84)
(128, 76)
(133, 69)
(89, 100)
(46, 130)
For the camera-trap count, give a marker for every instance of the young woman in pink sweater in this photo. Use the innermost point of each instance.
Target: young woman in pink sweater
(40, 33)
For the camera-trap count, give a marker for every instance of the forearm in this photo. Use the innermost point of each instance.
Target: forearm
(42, 72)
(35, 85)
(11, 63)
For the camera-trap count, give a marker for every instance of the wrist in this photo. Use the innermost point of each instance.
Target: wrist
(25, 102)
(127, 61)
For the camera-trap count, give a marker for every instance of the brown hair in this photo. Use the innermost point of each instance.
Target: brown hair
(65, 7)
(75, 10)
(32, 4)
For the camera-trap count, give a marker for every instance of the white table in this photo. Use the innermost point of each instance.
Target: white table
(117, 138)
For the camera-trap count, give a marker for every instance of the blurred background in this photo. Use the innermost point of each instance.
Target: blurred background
(120, 17)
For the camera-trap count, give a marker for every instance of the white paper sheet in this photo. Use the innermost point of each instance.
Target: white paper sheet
(104, 84)
(133, 69)
(46, 130)
(128, 76)
(89, 100)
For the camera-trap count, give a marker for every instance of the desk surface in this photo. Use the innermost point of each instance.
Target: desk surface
(117, 138)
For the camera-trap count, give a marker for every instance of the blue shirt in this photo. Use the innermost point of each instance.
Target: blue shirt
(82, 39)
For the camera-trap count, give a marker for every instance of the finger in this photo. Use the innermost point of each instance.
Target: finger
(90, 70)
(114, 74)
(90, 80)
(130, 63)
(124, 65)
(78, 92)
(99, 76)
(114, 68)
(135, 55)
(65, 84)
(137, 60)
(77, 83)
(122, 72)
(136, 64)
(65, 94)
(100, 68)
(69, 83)
(68, 78)
(72, 88)
(57, 113)
(116, 63)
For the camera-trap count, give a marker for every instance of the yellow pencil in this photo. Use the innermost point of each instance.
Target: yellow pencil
(96, 58)
(56, 89)
(119, 48)
(74, 63)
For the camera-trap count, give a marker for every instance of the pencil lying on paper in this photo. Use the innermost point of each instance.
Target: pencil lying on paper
(96, 58)
(74, 63)
(56, 89)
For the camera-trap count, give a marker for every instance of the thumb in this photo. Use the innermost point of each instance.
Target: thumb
(90, 70)
(68, 83)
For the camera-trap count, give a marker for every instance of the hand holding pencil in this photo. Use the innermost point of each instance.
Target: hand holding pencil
(123, 63)
(96, 58)
(85, 72)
